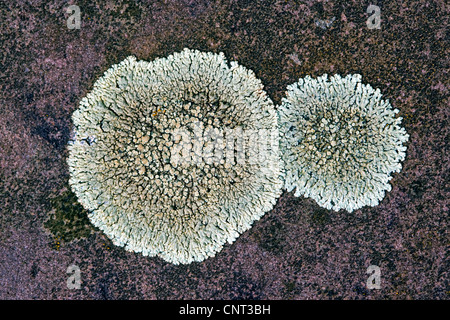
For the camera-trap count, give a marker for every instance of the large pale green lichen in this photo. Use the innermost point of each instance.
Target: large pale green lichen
(122, 150)
(340, 141)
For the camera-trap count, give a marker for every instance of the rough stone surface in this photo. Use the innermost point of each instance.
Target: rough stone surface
(296, 251)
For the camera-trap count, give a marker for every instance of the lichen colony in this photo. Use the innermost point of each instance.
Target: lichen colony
(178, 156)
(340, 141)
(126, 138)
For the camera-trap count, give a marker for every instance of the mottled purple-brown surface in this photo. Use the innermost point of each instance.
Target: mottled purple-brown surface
(296, 251)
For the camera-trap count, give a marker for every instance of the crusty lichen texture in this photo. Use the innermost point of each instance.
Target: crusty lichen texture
(120, 155)
(340, 141)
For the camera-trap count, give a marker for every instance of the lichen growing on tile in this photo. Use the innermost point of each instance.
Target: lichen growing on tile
(340, 141)
(120, 155)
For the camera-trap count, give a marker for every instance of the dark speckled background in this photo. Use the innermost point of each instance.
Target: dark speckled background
(296, 251)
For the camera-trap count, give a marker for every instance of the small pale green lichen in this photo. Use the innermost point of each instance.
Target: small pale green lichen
(340, 141)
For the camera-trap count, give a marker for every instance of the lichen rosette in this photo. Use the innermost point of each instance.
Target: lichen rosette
(340, 141)
(121, 155)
